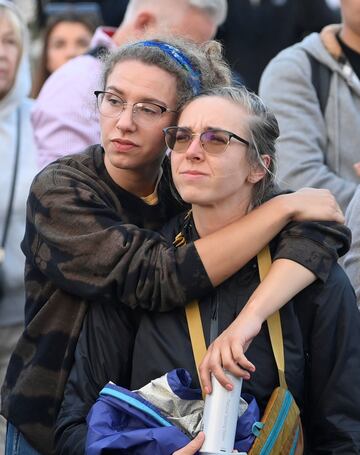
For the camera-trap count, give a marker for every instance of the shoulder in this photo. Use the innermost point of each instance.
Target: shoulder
(68, 172)
(292, 60)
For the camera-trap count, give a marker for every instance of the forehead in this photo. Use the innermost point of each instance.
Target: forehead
(139, 80)
(10, 27)
(7, 23)
(65, 28)
(214, 111)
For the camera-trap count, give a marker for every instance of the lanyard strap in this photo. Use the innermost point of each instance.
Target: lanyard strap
(12, 189)
(273, 321)
(196, 331)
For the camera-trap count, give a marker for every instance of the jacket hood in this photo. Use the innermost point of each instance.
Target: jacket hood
(22, 84)
(325, 47)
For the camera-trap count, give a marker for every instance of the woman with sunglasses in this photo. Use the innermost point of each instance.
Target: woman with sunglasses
(136, 88)
(223, 158)
(223, 163)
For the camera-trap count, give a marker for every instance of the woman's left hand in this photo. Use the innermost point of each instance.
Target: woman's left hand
(228, 352)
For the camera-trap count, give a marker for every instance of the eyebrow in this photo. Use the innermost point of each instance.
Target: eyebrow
(10, 33)
(205, 128)
(121, 94)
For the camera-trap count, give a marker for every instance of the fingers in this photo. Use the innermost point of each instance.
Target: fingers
(241, 360)
(317, 204)
(204, 368)
(193, 446)
(238, 365)
(230, 359)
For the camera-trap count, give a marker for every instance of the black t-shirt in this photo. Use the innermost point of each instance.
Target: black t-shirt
(352, 56)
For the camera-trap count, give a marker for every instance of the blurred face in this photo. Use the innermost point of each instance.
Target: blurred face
(351, 15)
(131, 143)
(209, 179)
(195, 24)
(67, 40)
(9, 56)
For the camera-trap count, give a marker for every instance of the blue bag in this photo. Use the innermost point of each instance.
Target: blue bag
(121, 421)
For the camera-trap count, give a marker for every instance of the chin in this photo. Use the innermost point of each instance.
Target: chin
(123, 161)
(193, 197)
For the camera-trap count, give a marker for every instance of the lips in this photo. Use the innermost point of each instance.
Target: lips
(192, 172)
(123, 145)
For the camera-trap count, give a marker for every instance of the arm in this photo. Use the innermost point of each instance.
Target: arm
(88, 249)
(228, 350)
(64, 117)
(247, 238)
(313, 248)
(287, 88)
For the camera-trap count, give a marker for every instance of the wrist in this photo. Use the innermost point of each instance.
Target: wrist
(255, 309)
(285, 206)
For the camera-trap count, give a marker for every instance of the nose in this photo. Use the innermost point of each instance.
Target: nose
(125, 121)
(71, 52)
(195, 150)
(2, 50)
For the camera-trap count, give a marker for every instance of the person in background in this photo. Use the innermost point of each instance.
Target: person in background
(91, 225)
(64, 117)
(108, 12)
(351, 260)
(223, 160)
(66, 36)
(18, 168)
(256, 30)
(320, 135)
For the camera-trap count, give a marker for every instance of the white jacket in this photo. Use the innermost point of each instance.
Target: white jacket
(12, 305)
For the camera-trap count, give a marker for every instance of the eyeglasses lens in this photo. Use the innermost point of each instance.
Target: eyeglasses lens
(214, 141)
(110, 105)
(178, 139)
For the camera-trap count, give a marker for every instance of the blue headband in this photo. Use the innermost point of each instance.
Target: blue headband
(180, 58)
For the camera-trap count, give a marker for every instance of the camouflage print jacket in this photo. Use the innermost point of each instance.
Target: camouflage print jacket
(82, 245)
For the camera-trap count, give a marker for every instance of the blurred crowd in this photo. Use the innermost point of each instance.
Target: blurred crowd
(301, 56)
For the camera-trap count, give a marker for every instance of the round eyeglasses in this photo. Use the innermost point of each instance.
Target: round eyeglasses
(213, 140)
(111, 105)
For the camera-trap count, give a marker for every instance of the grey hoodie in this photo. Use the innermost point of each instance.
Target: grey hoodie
(314, 149)
(12, 305)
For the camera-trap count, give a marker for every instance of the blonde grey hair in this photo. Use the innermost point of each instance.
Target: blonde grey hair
(206, 60)
(263, 132)
(216, 9)
(10, 12)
